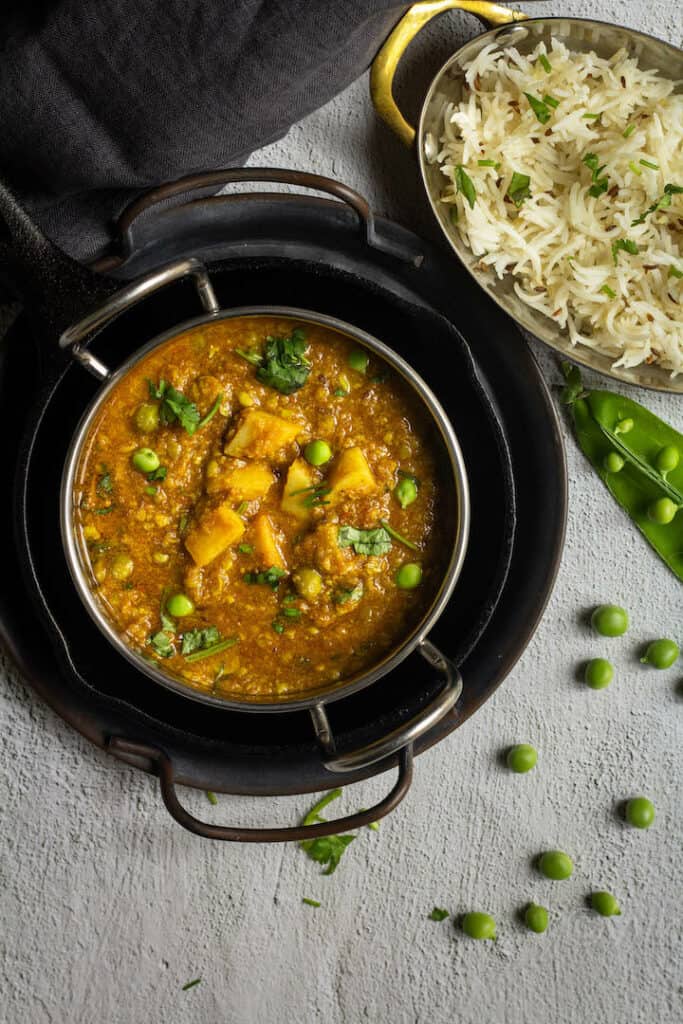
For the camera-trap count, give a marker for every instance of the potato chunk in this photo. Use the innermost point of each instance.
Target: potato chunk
(350, 474)
(215, 530)
(261, 435)
(266, 543)
(242, 483)
(299, 476)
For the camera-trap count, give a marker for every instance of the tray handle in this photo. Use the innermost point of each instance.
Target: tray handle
(132, 752)
(387, 60)
(275, 175)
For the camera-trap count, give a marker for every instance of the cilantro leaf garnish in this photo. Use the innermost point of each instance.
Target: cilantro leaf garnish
(270, 577)
(398, 536)
(518, 189)
(464, 184)
(545, 63)
(540, 109)
(600, 184)
(212, 649)
(329, 849)
(161, 642)
(364, 542)
(662, 203)
(623, 245)
(105, 484)
(199, 639)
(284, 366)
(158, 474)
(353, 594)
(438, 914)
(175, 407)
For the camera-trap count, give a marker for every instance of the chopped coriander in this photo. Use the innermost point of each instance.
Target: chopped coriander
(675, 272)
(600, 183)
(606, 290)
(291, 613)
(104, 484)
(161, 642)
(591, 117)
(270, 577)
(464, 184)
(398, 536)
(539, 108)
(518, 189)
(662, 203)
(628, 131)
(151, 491)
(623, 245)
(353, 594)
(255, 358)
(488, 163)
(182, 522)
(649, 164)
(438, 914)
(211, 797)
(175, 407)
(364, 542)
(289, 599)
(340, 393)
(329, 849)
(550, 101)
(208, 652)
(635, 168)
(310, 903)
(191, 984)
(211, 413)
(285, 367)
(199, 639)
(157, 474)
(278, 626)
(545, 63)
(104, 511)
(245, 549)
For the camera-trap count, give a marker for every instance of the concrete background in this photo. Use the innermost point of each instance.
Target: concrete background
(108, 907)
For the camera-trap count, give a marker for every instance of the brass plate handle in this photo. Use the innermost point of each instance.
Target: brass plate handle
(387, 60)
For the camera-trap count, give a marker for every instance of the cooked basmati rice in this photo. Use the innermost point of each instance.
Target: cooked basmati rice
(558, 243)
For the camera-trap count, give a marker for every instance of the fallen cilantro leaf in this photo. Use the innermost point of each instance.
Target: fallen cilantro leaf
(438, 914)
(573, 389)
(191, 984)
(161, 642)
(327, 850)
(309, 902)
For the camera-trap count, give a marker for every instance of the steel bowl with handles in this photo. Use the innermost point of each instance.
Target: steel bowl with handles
(74, 339)
(513, 28)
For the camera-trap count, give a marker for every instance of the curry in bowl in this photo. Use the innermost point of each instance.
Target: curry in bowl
(263, 508)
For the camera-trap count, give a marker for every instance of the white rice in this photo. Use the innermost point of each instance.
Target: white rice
(558, 244)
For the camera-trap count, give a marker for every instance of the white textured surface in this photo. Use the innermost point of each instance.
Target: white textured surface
(108, 908)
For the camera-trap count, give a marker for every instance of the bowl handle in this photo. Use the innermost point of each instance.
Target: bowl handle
(137, 753)
(73, 337)
(406, 734)
(387, 60)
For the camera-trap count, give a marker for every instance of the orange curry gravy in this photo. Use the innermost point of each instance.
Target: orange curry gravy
(278, 600)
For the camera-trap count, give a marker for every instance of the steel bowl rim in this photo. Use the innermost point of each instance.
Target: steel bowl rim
(322, 696)
(624, 375)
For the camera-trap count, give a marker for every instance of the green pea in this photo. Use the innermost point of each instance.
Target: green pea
(556, 865)
(613, 462)
(317, 453)
(605, 903)
(358, 360)
(610, 620)
(662, 511)
(405, 491)
(661, 654)
(145, 460)
(667, 459)
(179, 605)
(640, 812)
(521, 758)
(624, 426)
(536, 918)
(147, 417)
(599, 673)
(409, 576)
(479, 926)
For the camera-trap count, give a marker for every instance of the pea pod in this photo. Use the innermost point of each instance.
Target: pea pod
(599, 418)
